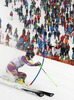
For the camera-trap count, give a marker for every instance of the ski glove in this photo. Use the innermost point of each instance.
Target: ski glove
(37, 64)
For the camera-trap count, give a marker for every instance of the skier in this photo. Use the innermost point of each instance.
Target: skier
(15, 64)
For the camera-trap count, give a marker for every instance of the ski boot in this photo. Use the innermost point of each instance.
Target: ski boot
(21, 81)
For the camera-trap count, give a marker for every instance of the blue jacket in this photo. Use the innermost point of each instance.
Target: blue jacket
(51, 54)
(20, 41)
(40, 44)
(67, 6)
(19, 10)
(52, 15)
(0, 21)
(69, 29)
(52, 28)
(73, 56)
(57, 20)
(56, 30)
(26, 4)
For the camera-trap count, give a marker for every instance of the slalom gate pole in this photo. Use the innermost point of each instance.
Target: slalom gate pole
(42, 61)
(48, 76)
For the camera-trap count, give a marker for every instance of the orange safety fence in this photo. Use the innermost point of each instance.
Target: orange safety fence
(70, 62)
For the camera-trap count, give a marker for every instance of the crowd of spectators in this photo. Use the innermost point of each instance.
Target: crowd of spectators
(57, 13)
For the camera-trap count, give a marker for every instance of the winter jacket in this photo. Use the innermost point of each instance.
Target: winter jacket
(73, 56)
(11, 13)
(38, 16)
(0, 21)
(66, 40)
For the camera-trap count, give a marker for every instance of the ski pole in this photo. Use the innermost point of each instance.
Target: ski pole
(48, 76)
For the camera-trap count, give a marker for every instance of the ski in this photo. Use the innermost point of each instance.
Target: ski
(47, 93)
(38, 93)
(24, 87)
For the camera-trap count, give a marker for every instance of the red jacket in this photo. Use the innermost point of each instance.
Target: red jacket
(25, 38)
(62, 38)
(7, 37)
(64, 2)
(61, 10)
(38, 16)
(11, 14)
(35, 19)
(64, 23)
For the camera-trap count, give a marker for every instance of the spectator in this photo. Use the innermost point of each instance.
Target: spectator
(36, 37)
(6, 1)
(73, 56)
(7, 39)
(56, 57)
(11, 15)
(8, 27)
(0, 22)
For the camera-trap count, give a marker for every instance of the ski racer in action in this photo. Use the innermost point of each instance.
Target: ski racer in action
(15, 64)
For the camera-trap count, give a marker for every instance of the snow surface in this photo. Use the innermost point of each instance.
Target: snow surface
(62, 74)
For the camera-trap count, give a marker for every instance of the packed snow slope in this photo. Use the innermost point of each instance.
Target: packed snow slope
(62, 75)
